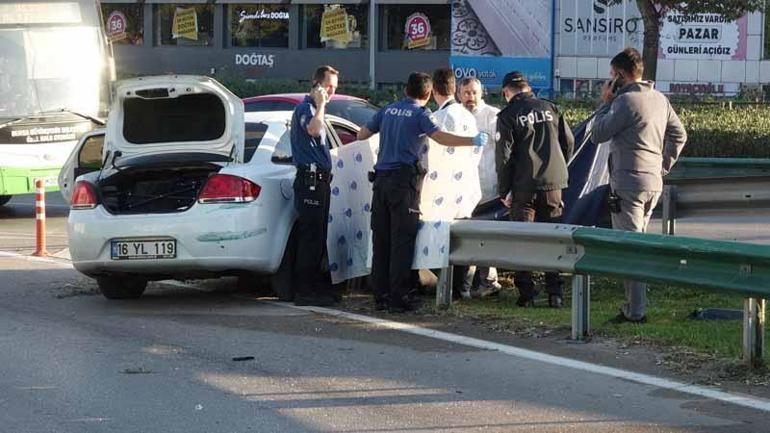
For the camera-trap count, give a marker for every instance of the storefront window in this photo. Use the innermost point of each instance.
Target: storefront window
(123, 22)
(257, 25)
(418, 27)
(336, 26)
(185, 24)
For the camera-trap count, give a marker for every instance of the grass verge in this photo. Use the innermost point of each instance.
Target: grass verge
(669, 317)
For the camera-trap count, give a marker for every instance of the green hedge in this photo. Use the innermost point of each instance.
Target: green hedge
(714, 129)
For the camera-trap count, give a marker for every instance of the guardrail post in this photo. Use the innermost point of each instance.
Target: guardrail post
(669, 209)
(444, 287)
(753, 331)
(581, 307)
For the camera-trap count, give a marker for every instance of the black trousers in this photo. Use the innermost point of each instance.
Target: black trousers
(311, 270)
(395, 215)
(542, 207)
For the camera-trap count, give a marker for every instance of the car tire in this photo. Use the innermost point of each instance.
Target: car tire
(282, 281)
(5, 199)
(122, 287)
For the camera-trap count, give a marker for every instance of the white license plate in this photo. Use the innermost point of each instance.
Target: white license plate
(51, 181)
(143, 249)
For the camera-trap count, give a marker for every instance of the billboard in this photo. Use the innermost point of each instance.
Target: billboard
(702, 36)
(592, 28)
(493, 37)
(601, 28)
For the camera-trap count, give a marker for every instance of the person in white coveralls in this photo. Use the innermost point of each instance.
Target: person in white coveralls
(470, 95)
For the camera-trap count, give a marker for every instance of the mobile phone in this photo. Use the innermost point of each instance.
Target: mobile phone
(319, 89)
(617, 83)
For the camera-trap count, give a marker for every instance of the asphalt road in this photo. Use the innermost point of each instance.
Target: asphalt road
(71, 361)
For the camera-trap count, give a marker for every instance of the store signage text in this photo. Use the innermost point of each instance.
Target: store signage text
(255, 59)
(263, 15)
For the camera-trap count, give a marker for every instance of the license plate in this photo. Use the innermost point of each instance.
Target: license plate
(51, 181)
(145, 249)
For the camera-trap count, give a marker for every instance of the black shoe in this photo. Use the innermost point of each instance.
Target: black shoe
(525, 302)
(621, 318)
(555, 301)
(314, 301)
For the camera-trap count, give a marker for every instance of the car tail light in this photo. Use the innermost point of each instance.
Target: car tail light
(84, 196)
(224, 188)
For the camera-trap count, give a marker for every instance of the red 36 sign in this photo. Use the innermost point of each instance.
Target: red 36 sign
(417, 31)
(116, 26)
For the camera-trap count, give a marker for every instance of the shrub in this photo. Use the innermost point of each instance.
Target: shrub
(715, 129)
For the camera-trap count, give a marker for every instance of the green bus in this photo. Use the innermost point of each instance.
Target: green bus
(56, 74)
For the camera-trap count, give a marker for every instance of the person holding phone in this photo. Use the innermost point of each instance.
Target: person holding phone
(310, 153)
(645, 137)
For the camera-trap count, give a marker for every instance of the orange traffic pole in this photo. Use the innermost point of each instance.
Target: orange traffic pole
(40, 247)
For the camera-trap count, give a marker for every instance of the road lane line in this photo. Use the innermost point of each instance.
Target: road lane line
(62, 263)
(645, 379)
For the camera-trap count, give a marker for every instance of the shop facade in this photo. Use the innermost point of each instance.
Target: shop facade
(563, 45)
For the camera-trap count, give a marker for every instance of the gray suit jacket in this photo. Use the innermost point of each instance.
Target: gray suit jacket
(645, 136)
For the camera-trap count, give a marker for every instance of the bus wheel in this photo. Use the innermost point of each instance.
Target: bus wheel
(5, 199)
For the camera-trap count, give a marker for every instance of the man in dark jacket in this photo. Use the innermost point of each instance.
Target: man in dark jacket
(534, 144)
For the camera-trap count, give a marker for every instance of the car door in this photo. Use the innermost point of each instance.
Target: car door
(86, 157)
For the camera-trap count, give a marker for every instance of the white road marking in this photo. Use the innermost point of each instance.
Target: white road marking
(645, 379)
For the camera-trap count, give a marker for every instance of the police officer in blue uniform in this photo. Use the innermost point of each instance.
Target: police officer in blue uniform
(404, 128)
(310, 152)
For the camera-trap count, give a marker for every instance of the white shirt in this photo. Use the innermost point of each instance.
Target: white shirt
(486, 120)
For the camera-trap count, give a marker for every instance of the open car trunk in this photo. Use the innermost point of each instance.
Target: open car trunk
(155, 189)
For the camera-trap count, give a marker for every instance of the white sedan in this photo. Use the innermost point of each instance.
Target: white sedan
(181, 184)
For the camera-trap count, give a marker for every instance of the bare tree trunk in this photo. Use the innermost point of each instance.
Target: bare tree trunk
(652, 24)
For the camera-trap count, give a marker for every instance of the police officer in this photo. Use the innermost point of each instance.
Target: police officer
(310, 152)
(534, 145)
(404, 127)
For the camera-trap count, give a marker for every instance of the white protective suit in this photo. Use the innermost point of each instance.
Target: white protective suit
(486, 121)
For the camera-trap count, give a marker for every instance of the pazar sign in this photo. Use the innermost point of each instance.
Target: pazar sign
(255, 59)
(698, 36)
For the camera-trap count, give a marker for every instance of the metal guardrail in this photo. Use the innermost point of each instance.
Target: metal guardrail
(584, 251)
(699, 186)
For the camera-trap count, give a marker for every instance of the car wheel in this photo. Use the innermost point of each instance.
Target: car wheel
(254, 284)
(282, 282)
(122, 287)
(5, 199)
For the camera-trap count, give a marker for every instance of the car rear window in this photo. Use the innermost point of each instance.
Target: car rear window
(262, 106)
(199, 117)
(358, 112)
(254, 134)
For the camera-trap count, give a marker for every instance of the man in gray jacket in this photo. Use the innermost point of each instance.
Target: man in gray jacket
(645, 138)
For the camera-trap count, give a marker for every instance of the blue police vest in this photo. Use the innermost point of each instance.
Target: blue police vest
(404, 128)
